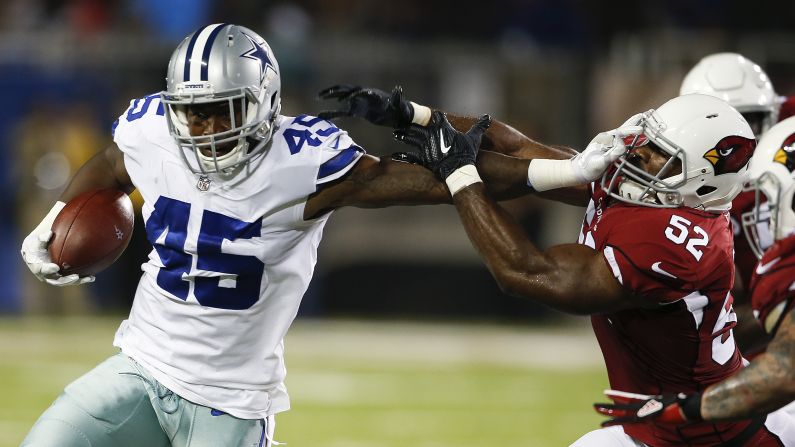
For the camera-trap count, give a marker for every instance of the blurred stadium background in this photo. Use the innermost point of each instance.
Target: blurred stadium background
(403, 338)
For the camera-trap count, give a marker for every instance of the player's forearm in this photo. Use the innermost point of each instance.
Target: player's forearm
(504, 139)
(512, 259)
(102, 171)
(392, 183)
(505, 178)
(758, 389)
(764, 385)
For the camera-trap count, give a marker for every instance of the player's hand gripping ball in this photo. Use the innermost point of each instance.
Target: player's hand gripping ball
(91, 232)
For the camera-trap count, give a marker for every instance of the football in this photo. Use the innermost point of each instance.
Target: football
(91, 232)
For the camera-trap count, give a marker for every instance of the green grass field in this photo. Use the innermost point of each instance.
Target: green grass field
(357, 384)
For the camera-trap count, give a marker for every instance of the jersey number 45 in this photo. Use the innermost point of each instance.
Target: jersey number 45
(221, 280)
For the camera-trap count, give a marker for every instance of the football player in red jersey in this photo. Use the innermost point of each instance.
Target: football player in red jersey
(787, 108)
(743, 84)
(768, 383)
(654, 268)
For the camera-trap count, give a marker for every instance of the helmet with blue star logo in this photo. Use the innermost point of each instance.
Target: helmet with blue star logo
(232, 70)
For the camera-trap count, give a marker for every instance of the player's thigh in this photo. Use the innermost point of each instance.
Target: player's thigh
(607, 437)
(108, 406)
(203, 427)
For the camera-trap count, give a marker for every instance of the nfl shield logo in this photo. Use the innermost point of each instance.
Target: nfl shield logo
(204, 183)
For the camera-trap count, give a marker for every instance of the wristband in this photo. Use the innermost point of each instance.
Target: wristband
(461, 178)
(691, 407)
(422, 114)
(543, 174)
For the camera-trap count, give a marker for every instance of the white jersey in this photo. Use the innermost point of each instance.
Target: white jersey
(231, 259)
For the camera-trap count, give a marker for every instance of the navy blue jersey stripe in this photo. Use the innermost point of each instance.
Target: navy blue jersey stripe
(206, 53)
(186, 73)
(339, 162)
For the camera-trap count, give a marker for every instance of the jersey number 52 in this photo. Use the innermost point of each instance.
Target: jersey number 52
(679, 232)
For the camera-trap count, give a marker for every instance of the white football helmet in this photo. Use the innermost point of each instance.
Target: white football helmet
(232, 66)
(703, 135)
(738, 81)
(772, 176)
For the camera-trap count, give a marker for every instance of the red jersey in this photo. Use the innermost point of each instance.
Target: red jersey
(787, 108)
(773, 284)
(679, 262)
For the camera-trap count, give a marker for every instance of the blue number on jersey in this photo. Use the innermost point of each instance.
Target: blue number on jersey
(241, 286)
(172, 216)
(296, 138)
(133, 115)
(248, 269)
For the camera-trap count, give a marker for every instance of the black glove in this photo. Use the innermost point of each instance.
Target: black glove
(631, 408)
(442, 149)
(372, 104)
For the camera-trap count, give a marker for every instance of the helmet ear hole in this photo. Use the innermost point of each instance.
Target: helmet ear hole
(706, 189)
(276, 105)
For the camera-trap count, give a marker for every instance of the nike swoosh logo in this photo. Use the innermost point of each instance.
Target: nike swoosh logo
(656, 267)
(444, 147)
(761, 269)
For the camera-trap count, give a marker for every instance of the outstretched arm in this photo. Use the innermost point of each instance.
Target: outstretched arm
(571, 278)
(393, 110)
(506, 140)
(381, 182)
(378, 183)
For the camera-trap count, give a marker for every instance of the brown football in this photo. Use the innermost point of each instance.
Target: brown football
(91, 232)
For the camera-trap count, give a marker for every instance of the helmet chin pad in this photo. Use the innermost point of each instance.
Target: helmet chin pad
(225, 162)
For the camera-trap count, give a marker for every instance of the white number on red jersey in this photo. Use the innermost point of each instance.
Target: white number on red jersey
(679, 232)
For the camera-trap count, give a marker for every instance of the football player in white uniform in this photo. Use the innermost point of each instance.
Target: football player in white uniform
(236, 196)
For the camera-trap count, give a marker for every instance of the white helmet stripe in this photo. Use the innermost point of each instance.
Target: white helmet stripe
(195, 52)
(206, 53)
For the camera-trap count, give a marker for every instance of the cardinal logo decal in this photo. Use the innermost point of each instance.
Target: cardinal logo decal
(731, 154)
(786, 155)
